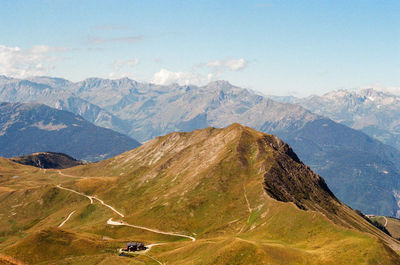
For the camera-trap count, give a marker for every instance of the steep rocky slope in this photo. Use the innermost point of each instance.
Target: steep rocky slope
(374, 112)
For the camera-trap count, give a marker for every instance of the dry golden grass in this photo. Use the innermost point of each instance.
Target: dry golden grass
(210, 184)
(7, 260)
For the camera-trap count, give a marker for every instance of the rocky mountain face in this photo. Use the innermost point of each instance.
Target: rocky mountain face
(360, 170)
(211, 196)
(374, 112)
(54, 92)
(27, 128)
(47, 160)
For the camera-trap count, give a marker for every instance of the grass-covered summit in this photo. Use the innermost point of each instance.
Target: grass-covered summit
(243, 195)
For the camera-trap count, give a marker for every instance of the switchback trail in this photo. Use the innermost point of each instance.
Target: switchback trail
(69, 216)
(111, 222)
(121, 223)
(77, 192)
(91, 199)
(248, 208)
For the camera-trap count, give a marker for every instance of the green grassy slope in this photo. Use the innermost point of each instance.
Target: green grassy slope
(243, 195)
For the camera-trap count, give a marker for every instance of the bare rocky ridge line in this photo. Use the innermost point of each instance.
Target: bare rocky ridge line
(373, 111)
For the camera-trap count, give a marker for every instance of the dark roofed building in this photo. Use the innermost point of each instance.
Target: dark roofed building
(135, 246)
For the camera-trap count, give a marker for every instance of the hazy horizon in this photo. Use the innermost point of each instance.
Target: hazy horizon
(275, 47)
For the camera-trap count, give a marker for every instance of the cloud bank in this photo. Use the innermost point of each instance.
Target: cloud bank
(230, 64)
(119, 64)
(165, 77)
(121, 68)
(203, 73)
(128, 39)
(21, 63)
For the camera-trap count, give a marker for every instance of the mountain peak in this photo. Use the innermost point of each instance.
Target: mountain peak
(219, 83)
(211, 168)
(236, 126)
(285, 177)
(234, 187)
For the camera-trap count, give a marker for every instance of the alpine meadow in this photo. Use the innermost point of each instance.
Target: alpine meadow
(199, 132)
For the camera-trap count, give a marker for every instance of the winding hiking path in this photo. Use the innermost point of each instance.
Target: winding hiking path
(69, 216)
(386, 220)
(248, 208)
(121, 223)
(109, 206)
(156, 260)
(111, 222)
(77, 192)
(69, 176)
(91, 198)
(152, 245)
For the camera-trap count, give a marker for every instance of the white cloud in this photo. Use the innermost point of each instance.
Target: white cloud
(121, 68)
(231, 64)
(128, 39)
(110, 27)
(20, 63)
(392, 90)
(165, 77)
(116, 75)
(119, 64)
(204, 72)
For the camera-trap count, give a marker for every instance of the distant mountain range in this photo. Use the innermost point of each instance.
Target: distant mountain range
(375, 112)
(27, 91)
(28, 127)
(360, 170)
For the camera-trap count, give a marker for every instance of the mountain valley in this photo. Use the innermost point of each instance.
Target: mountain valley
(360, 170)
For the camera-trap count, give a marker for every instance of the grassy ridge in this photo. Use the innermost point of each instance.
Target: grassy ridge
(210, 184)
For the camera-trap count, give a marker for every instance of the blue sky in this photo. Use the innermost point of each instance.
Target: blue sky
(276, 47)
